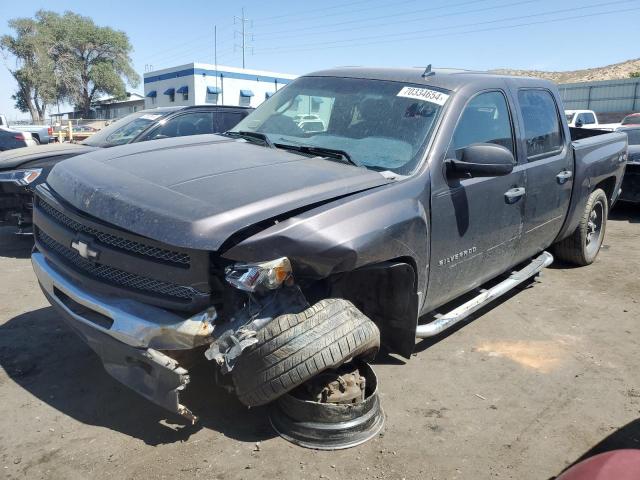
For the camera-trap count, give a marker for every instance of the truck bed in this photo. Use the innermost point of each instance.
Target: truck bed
(598, 159)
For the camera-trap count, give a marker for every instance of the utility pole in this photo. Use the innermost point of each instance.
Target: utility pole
(243, 34)
(215, 51)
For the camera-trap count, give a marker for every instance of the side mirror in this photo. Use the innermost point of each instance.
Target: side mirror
(579, 123)
(482, 160)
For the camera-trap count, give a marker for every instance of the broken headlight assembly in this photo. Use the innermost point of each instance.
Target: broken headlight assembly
(252, 277)
(21, 177)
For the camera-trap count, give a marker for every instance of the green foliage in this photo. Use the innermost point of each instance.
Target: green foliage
(67, 57)
(634, 75)
(90, 60)
(32, 66)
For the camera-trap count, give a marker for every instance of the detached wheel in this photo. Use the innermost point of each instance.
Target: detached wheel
(582, 247)
(294, 348)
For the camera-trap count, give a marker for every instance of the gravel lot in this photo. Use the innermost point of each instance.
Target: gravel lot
(523, 390)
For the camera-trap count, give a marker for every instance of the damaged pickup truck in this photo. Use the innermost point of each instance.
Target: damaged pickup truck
(278, 253)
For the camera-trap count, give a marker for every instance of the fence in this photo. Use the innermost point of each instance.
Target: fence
(610, 98)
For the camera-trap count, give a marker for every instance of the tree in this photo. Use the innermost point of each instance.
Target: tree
(33, 66)
(89, 60)
(634, 75)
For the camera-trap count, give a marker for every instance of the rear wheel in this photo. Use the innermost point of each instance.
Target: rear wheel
(582, 247)
(293, 348)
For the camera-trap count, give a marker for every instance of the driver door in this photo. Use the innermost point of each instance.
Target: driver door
(476, 222)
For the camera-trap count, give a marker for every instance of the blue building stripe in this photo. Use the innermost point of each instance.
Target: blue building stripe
(203, 71)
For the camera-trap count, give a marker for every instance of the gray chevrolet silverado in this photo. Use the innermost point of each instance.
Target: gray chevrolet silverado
(278, 252)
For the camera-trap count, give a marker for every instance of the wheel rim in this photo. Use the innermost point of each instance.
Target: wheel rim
(594, 229)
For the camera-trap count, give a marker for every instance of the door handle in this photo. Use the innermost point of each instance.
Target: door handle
(513, 195)
(564, 176)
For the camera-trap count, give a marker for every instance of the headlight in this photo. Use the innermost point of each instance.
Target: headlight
(255, 276)
(20, 177)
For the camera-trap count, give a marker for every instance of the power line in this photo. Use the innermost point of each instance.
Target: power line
(414, 32)
(502, 27)
(403, 21)
(322, 9)
(198, 39)
(402, 14)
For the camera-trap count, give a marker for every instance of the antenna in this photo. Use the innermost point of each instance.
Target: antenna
(428, 72)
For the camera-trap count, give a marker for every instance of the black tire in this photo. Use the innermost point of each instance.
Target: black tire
(581, 248)
(294, 348)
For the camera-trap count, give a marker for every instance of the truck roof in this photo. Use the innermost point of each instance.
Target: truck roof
(447, 78)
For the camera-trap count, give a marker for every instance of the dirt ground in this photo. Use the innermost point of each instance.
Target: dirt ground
(547, 376)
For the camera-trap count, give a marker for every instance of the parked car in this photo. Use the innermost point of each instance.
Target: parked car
(587, 119)
(632, 119)
(39, 133)
(631, 182)
(10, 139)
(294, 252)
(34, 164)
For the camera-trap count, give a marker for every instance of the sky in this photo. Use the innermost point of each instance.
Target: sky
(291, 36)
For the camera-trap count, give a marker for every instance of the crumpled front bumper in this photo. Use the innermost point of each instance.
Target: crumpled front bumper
(128, 335)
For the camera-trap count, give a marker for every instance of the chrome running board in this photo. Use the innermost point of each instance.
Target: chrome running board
(486, 296)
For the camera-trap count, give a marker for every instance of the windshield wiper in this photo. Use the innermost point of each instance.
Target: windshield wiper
(320, 151)
(251, 136)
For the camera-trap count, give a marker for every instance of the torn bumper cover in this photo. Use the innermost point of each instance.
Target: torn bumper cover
(127, 335)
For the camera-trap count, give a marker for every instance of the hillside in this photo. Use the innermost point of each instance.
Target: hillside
(610, 72)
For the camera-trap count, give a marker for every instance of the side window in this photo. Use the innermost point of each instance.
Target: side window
(196, 123)
(542, 129)
(588, 118)
(227, 120)
(485, 119)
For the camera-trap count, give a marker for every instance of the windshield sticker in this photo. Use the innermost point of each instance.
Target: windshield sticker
(425, 94)
(151, 117)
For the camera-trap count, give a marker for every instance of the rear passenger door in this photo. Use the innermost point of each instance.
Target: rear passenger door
(549, 169)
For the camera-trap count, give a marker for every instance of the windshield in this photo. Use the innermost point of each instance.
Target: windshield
(122, 131)
(569, 116)
(380, 125)
(631, 120)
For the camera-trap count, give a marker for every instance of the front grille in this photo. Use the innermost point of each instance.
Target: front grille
(121, 243)
(634, 157)
(116, 276)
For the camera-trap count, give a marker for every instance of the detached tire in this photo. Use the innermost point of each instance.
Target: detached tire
(294, 348)
(582, 246)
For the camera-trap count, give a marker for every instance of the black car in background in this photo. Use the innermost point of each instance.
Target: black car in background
(23, 168)
(631, 181)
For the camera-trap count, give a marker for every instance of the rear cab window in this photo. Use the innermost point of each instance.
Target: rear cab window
(542, 126)
(587, 118)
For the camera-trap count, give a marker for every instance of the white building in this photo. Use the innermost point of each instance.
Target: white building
(202, 83)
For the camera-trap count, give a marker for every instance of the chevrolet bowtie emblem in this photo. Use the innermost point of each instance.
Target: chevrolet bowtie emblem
(84, 250)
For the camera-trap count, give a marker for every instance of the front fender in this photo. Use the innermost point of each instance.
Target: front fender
(377, 241)
(344, 235)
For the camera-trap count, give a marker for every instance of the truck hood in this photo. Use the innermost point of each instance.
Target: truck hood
(19, 156)
(199, 195)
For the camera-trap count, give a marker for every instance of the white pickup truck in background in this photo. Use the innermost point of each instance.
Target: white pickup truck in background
(587, 119)
(42, 134)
